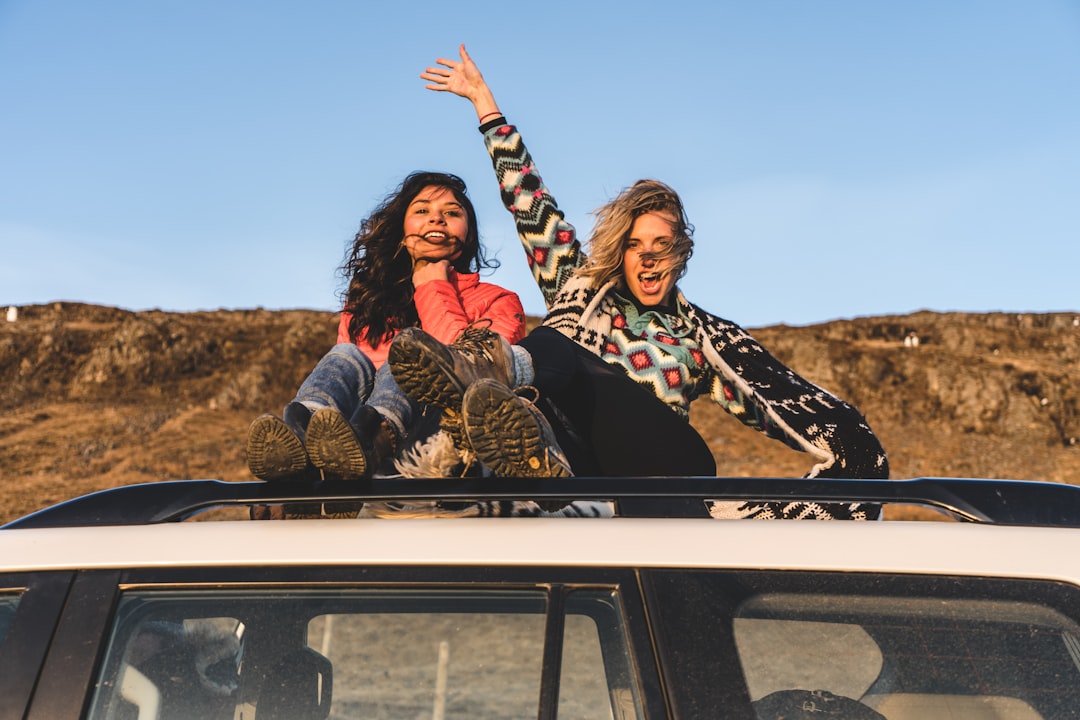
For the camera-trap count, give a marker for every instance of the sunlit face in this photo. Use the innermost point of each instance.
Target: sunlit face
(650, 279)
(436, 225)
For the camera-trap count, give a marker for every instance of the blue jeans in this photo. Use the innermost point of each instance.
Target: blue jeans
(346, 379)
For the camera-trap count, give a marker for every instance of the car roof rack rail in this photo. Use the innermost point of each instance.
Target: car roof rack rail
(1001, 502)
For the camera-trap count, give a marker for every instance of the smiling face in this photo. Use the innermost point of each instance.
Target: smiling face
(650, 279)
(436, 225)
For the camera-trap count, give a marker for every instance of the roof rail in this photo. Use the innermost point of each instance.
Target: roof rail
(1001, 502)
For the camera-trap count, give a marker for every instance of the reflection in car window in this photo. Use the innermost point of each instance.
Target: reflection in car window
(8, 602)
(440, 664)
(910, 657)
(362, 653)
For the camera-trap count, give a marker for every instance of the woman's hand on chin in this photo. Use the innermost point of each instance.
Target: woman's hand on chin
(427, 270)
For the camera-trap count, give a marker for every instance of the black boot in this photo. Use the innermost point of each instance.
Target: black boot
(275, 447)
(350, 450)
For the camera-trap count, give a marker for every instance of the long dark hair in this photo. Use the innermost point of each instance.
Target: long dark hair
(379, 269)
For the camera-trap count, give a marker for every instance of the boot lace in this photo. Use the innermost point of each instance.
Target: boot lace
(478, 339)
(531, 391)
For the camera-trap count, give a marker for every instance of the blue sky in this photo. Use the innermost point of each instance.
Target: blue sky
(839, 158)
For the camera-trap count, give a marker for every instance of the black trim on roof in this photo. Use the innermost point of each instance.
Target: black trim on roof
(1001, 502)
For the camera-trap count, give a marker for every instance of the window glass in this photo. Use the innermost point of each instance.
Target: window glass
(362, 653)
(593, 640)
(908, 657)
(8, 602)
(435, 664)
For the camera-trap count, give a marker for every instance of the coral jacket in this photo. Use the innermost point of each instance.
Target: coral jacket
(446, 307)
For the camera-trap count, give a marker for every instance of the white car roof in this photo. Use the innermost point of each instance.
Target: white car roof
(899, 547)
(1019, 529)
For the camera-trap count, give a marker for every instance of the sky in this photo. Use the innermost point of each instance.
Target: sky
(838, 158)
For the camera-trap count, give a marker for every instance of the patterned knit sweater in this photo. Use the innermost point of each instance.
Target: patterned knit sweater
(682, 354)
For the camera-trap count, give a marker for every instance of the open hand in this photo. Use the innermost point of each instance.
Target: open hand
(462, 78)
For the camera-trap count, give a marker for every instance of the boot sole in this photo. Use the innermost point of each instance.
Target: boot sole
(423, 373)
(502, 431)
(274, 452)
(334, 447)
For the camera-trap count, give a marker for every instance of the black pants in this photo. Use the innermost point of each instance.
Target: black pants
(606, 423)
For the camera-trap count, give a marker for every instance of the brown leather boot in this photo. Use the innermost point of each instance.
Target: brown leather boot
(509, 433)
(436, 374)
(346, 451)
(275, 447)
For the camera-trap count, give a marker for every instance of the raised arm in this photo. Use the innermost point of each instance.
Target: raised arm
(550, 243)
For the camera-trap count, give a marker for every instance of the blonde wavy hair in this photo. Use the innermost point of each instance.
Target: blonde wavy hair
(614, 221)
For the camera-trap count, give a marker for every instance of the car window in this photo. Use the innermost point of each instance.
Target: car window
(386, 666)
(908, 657)
(8, 602)
(363, 653)
(773, 644)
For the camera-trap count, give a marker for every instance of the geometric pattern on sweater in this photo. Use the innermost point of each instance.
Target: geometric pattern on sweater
(650, 361)
(747, 380)
(794, 410)
(550, 243)
(749, 383)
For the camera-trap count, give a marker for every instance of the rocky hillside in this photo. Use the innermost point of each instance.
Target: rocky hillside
(94, 397)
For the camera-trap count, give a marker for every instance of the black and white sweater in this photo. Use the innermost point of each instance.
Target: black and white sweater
(737, 371)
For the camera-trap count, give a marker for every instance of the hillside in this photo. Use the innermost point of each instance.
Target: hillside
(94, 397)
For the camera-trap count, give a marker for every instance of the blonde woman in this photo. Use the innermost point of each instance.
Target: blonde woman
(621, 352)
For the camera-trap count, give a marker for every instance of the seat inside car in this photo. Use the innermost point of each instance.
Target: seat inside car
(298, 687)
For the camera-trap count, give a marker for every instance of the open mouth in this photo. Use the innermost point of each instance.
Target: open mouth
(650, 282)
(440, 238)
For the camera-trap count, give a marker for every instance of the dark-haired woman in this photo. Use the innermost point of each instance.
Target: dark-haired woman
(414, 263)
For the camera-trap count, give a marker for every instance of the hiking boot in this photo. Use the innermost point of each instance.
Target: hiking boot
(275, 447)
(346, 452)
(509, 434)
(436, 374)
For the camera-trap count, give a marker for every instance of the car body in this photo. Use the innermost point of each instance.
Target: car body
(111, 607)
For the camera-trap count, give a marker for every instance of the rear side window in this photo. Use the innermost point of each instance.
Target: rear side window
(871, 647)
(364, 653)
(910, 657)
